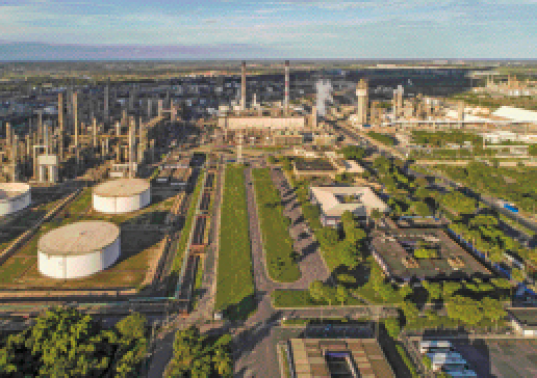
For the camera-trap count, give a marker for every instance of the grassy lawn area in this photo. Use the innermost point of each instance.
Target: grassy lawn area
(302, 298)
(235, 285)
(274, 227)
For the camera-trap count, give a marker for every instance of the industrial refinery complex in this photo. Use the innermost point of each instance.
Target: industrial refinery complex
(334, 222)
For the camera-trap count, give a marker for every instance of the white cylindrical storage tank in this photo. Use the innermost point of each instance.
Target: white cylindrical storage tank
(14, 197)
(121, 196)
(78, 249)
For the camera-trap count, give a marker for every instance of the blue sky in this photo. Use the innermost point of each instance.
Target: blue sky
(235, 29)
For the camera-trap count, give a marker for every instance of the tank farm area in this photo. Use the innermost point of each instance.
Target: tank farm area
(116, 240)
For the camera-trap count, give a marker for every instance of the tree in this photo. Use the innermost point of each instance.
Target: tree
(427, 362)
(501, 283)
(421, 193)
(352, 152)
(196, 356)
(405, 291)
(328, 237)
(317, 291)
(349, 254)
(392, 327)
(347, 218)
(422, 182)
(271, 159)
(410, 310)
(223, 363)
(387, 292)
(434, 289)
(187, 348)
(64, 342)
(518, 275)
(449, 288)
(376, 215)
(464, 309)
(346, 279)
(355, 236)
(421, 209)
(342, 294)
(132, 327)
(493, 309)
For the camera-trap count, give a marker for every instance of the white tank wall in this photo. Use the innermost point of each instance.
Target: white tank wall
(118, 205)
(76, 266)
(12, 205)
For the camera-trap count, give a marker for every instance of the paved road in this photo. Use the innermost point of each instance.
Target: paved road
(247, 363)
(204, 310)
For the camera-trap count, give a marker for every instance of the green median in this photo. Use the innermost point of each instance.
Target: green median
(235, 285)
(278, 245)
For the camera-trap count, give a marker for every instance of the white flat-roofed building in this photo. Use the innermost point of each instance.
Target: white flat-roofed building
(516, 114)
(335, 200)
(353, 167)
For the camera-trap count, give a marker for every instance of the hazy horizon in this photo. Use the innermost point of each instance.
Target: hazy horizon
(267, 29)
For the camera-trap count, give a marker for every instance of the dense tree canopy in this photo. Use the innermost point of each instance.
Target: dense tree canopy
(67, 343)
(352, 152)
(195, 355)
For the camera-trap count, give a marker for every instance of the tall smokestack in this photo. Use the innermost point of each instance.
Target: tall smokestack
(132, 127)
(75, 118)
(286, 93)
(9, 136)
(106, 100)
(60, 124)
(243, 86)
(94, 129)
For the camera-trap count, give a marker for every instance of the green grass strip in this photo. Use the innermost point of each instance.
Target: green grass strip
(278, 244)
(235, 285)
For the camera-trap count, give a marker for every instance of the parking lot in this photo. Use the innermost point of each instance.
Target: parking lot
(501, 358)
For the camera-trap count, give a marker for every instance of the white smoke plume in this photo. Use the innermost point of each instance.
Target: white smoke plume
(324, 95)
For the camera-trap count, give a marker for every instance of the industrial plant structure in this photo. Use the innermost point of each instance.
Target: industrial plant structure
(14, 197)
(121, 196)
(79, 249)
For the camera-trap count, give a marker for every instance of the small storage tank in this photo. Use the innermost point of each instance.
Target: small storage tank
(78, 249)
(14, 197)
(121, 196)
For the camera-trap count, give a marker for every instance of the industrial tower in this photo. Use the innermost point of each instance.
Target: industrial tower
(362, 94)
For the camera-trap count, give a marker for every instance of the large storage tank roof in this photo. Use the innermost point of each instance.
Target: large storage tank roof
(122, 188)
(12, 190)
(79, 238)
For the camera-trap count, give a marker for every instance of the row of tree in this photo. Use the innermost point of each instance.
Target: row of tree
(516, 185)
(66, 343)
(484, 233)
(199, 356)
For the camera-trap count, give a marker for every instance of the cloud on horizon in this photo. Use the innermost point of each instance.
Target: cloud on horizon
(48, 51)
(271, 28)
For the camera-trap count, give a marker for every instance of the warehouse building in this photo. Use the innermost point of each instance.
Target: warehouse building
(311, 358)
